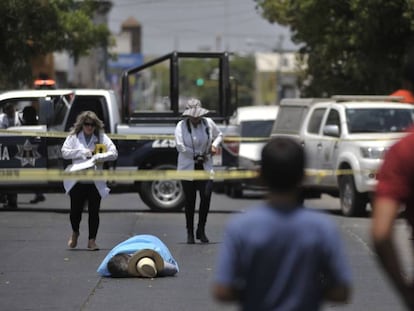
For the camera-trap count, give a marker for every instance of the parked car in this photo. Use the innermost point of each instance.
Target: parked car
(345, 139)
(255, 125)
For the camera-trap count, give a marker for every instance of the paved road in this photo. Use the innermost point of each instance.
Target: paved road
(38, 272)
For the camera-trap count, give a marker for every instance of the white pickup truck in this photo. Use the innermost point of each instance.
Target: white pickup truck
(345, 139)
(153, 98)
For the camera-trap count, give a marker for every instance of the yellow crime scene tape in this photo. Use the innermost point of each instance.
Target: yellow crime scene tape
(320, 174)
(27, 174)
(56, 134)
(139, 175)
(147, 175)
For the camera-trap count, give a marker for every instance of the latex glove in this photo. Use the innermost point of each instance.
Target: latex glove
(86, 153)
(99, 157)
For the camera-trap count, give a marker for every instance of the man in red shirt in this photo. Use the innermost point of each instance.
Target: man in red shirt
(395, 189)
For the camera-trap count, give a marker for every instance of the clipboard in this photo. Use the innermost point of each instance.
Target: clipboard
(80, 166)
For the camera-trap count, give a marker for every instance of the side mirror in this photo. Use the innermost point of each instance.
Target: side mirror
(331, 130)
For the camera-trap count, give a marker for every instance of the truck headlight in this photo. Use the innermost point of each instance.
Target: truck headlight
(373, 152)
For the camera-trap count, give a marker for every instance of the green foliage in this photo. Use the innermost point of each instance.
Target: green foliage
(242, 69)
(192, 69)
(36, 27)
(350, 47)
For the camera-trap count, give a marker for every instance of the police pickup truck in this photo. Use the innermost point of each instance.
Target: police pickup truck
(345, 139)
(153, 99)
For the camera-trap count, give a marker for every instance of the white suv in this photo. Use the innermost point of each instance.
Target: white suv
(345, 138)
(255, 124)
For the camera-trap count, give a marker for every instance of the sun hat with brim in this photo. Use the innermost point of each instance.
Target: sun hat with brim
(132, 264)
(194, 109)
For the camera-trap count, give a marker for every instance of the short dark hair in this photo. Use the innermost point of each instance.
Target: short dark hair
(29, 115)
(118, 266)
(283, 164)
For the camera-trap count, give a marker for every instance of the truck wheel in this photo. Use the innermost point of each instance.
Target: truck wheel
(353, 203)
(163, 195)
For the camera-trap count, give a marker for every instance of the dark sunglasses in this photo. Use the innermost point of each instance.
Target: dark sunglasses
(89, 124)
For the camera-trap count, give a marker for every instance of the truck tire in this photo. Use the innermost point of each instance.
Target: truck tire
(353, 203)
(163, 195)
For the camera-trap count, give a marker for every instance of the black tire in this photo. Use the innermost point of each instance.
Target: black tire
(163, 195)
(353, 203)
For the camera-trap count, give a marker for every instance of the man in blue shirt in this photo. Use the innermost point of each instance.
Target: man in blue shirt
(279, 255)
(142, 256)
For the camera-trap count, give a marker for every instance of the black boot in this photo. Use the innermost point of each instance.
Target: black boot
(190, 236)
(201, 235)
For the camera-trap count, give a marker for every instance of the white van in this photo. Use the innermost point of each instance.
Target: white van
(255, 125)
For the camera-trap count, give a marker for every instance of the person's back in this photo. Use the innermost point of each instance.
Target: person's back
(279, 255)
(284, 254)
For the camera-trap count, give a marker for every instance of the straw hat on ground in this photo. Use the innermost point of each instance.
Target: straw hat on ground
(194, 109)
(145, 263)
(146, 267)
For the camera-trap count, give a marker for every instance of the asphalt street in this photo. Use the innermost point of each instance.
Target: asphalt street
(38, 272)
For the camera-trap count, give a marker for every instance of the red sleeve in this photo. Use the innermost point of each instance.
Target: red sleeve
(396, 175)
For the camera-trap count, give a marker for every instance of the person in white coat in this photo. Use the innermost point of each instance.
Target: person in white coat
(82, 144)
(197, 138)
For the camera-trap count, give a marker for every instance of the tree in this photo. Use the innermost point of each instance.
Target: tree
(198, 78)
(242, 70)
(36, 27)
(350, 47)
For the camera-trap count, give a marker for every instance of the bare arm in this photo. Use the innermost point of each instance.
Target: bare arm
(384, 215)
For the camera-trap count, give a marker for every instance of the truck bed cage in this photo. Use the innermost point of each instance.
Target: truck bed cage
(224, 88)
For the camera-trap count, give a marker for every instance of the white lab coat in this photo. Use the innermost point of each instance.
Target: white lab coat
(199, 143)
(74, 148)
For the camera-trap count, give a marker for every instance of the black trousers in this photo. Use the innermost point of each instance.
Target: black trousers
(79, 195)
(204, 187)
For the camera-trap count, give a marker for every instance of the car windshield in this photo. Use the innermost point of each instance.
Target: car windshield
(256, 128)
(379, 120)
